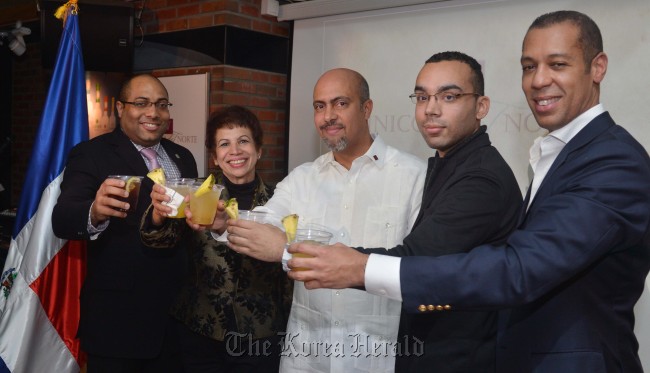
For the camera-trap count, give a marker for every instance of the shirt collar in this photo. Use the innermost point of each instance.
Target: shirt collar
(566, 133)
(140, 147)
(376, 154)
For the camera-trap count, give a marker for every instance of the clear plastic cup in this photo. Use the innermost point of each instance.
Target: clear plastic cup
(256, 216)
(204, 207)
(180, 188)
(313, 236)
(131, 185)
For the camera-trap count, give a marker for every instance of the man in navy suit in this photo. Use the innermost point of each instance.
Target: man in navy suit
(125, 324)
(567, 279)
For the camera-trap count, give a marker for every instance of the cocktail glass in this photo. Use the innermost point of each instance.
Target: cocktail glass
(182, 187)
(131, 185)
(204, 207)
(313, 236)
(256, 216)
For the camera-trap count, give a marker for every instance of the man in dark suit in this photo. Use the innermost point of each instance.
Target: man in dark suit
(125, 324)
(568, 277)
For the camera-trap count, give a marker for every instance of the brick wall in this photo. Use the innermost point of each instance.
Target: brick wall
(262, 92)
(174, 15)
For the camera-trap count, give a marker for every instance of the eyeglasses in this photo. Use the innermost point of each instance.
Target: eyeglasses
(143, 104)
(445, 97)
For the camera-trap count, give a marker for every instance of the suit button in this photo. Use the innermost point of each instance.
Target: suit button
(447, 307)
(422, 308)
(431, 307)
(439, 308)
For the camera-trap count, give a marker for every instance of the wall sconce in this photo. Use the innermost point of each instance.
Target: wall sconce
(14, 39)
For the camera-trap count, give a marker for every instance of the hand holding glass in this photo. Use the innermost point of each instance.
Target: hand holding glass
(131, 185)
(312, 236)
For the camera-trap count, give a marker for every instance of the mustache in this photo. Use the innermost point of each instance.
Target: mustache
(325, 126)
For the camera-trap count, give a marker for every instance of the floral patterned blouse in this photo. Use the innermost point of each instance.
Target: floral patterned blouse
(225, 291)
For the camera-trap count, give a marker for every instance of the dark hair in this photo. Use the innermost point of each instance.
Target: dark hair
(126, 86)
(477, 75)
(589, 37)
(230, 117)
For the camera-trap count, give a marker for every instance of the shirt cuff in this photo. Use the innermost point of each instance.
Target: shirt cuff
(219, 237)
(95, 231)
(286, 255)
(382, 276)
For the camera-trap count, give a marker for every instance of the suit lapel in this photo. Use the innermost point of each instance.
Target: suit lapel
(131, 159)
(128, 155)
(175, 156)
(594, 128)
(524, 208)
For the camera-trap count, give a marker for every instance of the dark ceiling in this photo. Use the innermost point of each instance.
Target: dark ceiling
(17, 10)
(27, 10)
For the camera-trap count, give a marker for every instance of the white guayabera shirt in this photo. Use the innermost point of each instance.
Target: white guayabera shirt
(374, 204)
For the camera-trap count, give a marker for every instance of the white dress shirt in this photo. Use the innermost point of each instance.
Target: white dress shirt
(382, 276)
(374, 204)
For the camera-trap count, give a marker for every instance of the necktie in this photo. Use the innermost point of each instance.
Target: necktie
(151, 155)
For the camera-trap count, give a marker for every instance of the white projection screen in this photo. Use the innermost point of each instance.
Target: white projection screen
(389, 47)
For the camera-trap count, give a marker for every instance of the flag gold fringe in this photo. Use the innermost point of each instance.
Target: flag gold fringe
(63, 11)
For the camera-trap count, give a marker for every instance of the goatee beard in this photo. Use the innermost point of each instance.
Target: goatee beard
(337, 146)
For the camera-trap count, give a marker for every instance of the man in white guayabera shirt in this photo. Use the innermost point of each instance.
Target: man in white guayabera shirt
(367, 194)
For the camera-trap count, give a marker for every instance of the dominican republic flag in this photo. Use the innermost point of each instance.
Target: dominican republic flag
(42, 277)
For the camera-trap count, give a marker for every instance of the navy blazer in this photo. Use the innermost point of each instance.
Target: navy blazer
(568, 278)
(129, 288)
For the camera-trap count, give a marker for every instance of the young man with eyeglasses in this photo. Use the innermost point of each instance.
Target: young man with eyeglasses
(124, 324)
(471, 197)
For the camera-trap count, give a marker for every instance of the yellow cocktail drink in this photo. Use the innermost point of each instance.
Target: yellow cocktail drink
(204, 206)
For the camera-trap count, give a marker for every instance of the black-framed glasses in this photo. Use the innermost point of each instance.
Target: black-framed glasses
(143, 104)
(445, 97)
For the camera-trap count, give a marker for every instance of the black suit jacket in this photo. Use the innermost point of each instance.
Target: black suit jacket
(129, 288)
(471, 197)
(569, 276)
